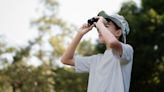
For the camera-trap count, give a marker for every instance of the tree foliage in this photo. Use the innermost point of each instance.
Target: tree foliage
(22, 78)
(19, 76)
(146, 37)
(68, 81)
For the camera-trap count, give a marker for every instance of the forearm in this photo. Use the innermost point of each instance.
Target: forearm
(68, 56)
(69, 53)
(109, 38)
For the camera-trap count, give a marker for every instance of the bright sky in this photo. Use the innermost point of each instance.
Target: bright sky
(15, 15)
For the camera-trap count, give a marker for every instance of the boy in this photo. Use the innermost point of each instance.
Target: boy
(111, 71)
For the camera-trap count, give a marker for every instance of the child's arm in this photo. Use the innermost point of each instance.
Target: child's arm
(110, 40)
(68, 56)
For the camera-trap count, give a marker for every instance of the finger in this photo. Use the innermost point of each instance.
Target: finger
(84, 25)
(91, 26)
(95, 24)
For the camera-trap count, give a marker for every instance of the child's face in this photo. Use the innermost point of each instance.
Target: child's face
(112, 28)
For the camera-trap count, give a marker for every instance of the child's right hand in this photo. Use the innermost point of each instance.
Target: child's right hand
(85, 28)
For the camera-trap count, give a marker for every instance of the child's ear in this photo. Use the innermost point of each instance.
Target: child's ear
(118, 32)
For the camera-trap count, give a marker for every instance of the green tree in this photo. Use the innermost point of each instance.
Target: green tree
(20, 77)
(68, 81)
(53, 31)
(5, 49)
(146, 37)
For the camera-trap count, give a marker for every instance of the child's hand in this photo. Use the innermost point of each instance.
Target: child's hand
(100, 21)
(85, 28)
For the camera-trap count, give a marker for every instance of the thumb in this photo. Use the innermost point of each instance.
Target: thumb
(95, 24)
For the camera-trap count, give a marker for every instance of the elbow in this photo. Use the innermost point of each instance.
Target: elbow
(67, 61)
(63, 60)
(114, 44)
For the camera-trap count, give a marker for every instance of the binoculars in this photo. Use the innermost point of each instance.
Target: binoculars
(92, 20)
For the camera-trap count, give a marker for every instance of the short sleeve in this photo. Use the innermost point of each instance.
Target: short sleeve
(127, 54)
(82, 64)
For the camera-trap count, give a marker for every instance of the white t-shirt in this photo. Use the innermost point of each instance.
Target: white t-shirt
(108, 72)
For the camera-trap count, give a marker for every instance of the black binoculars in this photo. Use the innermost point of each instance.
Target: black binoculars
(92, 20)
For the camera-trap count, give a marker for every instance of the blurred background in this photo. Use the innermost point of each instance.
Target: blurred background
(35, 33)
